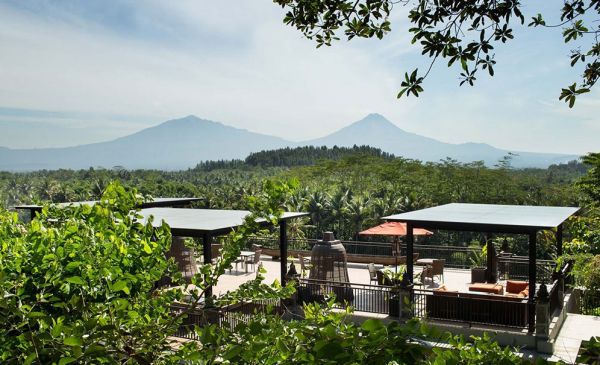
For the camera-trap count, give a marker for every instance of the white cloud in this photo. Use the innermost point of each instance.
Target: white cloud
(240, 65)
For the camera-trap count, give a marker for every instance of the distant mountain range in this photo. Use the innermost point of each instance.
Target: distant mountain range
(182, 143)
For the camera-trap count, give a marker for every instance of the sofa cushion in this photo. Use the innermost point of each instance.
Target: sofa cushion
(524, 293)
(487, 288)
(446, 292)
(515, 287)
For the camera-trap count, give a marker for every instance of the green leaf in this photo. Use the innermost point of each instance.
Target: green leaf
(73, 341)
(32, 356)
(147, 249)
(371, 325)
(66, 360)
(121, 285)
(76, 280)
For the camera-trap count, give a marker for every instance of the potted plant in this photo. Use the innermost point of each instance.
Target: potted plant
(394, 279)
(478, 262)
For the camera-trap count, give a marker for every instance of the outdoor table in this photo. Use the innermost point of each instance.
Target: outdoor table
(425, 262)
(246, 257)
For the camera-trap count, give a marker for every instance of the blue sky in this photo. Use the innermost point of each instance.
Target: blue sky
(74, 72)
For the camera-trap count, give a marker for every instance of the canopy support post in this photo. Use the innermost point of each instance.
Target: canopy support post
(559, 240)
(283, 249)
(207, 253)
(409, 251)
(532, 280)
(490, 276)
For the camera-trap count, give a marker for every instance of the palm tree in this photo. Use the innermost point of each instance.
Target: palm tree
(316, 205)
(358, 212)
(337, 208)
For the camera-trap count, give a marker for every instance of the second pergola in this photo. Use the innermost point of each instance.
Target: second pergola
(490, 218)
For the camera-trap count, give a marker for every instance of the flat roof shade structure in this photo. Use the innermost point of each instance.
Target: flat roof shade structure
(196, 222)
(155, 202)
(487, 217)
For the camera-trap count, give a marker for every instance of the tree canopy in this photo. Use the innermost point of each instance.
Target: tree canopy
(462, 33)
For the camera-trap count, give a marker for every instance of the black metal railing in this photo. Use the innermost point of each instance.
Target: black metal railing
(509, 267)
(228, 316)
(555, 295)
(517, 268)
(589, 302)
(470, 308)
(427, 304)
(455, 256)
(361, 297)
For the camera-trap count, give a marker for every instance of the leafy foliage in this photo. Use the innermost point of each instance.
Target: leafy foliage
(81, 286)
(346, 194)
(590, 183)
(589, 353)
(327, 337)
(464, 33)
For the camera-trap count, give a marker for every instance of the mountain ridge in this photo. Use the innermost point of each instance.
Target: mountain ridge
(184, 142)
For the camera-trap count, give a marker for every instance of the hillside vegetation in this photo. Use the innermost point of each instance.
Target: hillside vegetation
(344, 189)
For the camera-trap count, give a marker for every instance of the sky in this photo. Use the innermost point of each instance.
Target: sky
(76, 72)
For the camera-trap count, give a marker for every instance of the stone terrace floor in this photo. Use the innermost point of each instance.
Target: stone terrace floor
(454, 279)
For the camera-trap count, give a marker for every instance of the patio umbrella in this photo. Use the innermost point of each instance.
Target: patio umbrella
(395, 229)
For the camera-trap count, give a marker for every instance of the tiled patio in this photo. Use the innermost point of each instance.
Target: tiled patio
(454, 279)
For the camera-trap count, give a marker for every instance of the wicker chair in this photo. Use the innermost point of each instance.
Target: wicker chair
(436, 268)
(372, 274)
(256, 259)
(184, 257)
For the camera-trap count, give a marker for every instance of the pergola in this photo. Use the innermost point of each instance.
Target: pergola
(490, 218)
(208, 223)
(155, 202)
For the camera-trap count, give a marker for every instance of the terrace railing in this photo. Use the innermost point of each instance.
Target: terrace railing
(517, 268)
(426, 304)
(228, 316)
(361, 297)
(456, 257)
(470, 308)
(510, 267)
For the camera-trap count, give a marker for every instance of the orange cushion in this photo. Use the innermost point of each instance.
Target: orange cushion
(442, 288)
(515, 287)
(524, 293)
(486, 288)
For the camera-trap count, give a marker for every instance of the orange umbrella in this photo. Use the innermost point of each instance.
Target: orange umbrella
(393, 229)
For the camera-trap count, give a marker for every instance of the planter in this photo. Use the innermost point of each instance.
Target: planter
(478, 275)
(394, 305)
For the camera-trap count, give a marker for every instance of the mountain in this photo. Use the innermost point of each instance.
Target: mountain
(175, 144)
(182, 143)
(375, 130)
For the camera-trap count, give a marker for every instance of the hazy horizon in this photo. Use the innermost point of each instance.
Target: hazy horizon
(79, 73)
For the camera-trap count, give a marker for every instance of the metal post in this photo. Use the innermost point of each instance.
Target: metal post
(409, 251)
(207, 253)
(283, 249)
(559, 240)
(532, 280)
(33, 212)
(489, 259)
